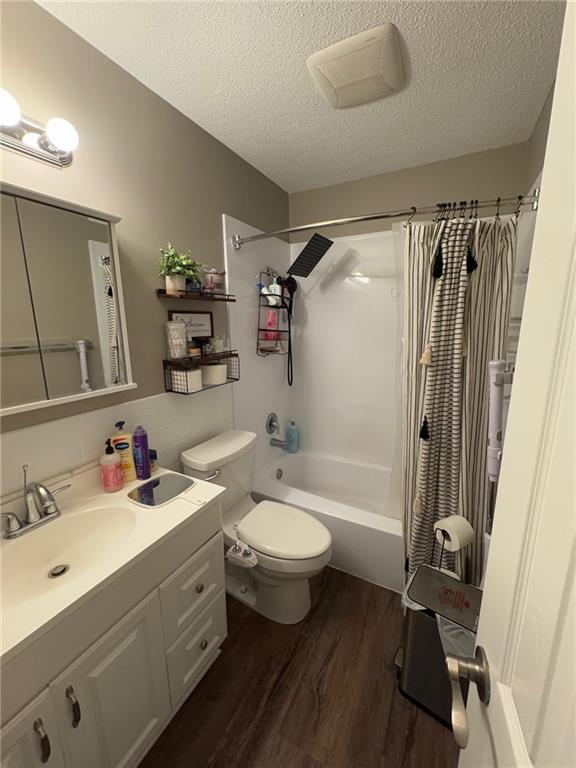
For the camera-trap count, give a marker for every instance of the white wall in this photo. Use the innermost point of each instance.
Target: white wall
(262, 387)
(348, 322)
(174, 422)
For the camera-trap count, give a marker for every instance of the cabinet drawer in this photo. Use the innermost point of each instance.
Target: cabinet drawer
(189, 589)
(195, 646)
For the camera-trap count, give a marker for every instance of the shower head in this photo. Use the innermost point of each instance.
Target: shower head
(310, 255)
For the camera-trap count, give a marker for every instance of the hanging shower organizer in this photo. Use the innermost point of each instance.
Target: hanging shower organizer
(273, 330)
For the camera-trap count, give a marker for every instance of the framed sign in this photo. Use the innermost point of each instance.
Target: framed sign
(199, 325)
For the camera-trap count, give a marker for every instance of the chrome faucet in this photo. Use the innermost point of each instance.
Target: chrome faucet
(41, 507)
(278, 443)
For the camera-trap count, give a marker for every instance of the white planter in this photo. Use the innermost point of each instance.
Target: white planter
(175, 283)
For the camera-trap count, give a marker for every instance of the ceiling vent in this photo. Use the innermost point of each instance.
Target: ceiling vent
(363, 68)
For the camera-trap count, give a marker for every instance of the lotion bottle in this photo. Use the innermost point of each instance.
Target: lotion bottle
(122, 442)
(111, 474)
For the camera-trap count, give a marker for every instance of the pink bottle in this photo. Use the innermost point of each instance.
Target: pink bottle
(111, 472)
(272, 324)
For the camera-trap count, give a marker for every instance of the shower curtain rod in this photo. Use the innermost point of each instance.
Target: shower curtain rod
(446, 208)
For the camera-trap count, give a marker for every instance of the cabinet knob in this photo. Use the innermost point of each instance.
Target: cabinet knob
(204, 645)
(199, 588)
(76, 713)
(44, 740)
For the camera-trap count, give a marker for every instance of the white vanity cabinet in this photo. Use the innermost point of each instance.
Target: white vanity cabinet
(31, 738)
(96, 689)
(113, 701)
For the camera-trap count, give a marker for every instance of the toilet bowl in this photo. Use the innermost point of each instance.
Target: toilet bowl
(273, 549)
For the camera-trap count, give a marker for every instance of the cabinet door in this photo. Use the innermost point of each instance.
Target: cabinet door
(31, 739)
(113, 701)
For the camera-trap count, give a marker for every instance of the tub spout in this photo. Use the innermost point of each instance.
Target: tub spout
(278, 443)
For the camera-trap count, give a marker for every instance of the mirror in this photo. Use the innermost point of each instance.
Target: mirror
(61, 333)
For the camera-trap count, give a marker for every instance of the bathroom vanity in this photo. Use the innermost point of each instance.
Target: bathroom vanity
(96, 661)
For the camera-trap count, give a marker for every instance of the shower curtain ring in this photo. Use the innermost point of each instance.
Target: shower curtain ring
(498, 207)
(406, 223)
(519, 205)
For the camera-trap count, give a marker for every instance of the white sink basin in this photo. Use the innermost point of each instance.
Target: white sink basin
(98, 535)
(78, 540)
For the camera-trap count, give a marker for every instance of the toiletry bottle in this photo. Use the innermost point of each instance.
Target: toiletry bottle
(153, 454)
(111, 474)
(292, 437)
(141, 453)
(122, 442)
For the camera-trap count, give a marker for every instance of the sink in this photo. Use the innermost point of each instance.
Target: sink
(79, 540)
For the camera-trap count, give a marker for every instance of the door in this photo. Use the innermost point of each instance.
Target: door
(528, 617)
(112, 702)
(30, 739)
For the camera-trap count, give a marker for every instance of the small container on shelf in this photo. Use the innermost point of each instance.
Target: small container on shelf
(176, 339)
(213, 281)
(214, 374)
(187, 381)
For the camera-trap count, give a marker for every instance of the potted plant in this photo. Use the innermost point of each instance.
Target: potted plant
(177, 267)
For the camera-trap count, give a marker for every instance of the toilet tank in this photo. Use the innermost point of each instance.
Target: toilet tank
(227, 459)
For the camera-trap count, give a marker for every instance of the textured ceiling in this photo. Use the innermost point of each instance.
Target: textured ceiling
(478, 74)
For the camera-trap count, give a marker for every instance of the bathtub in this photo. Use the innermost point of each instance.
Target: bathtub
(352, 500)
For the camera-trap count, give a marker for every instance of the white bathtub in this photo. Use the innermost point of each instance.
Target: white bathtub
(352, 500)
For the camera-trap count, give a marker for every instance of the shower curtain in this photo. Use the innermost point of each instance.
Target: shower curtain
(458, 280)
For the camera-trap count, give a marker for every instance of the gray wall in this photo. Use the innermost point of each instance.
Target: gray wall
(140, 159)
(496, 172)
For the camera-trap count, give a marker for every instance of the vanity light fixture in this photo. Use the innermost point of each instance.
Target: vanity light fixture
(53, 143)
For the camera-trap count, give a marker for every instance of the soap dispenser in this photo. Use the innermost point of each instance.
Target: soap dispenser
(292, 437)
(111, 474)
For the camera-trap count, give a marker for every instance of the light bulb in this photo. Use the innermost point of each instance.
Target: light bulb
(10, 113)
(62, 134)
(32, 139)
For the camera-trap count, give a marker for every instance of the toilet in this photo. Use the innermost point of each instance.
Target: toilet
(280, 547)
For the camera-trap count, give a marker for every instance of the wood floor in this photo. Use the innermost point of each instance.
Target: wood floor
(321, 694)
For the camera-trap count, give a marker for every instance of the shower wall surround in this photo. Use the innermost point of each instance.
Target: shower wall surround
(262, 387)
(347, 348)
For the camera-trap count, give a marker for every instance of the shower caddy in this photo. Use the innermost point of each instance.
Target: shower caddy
(272, 330)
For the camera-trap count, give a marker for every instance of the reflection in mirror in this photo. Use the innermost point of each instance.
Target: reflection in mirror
(61, 332)
(21, 375)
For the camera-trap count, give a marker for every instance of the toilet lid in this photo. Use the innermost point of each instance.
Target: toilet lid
(282, 531)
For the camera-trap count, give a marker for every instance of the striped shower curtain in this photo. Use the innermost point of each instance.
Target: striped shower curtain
(458, 280)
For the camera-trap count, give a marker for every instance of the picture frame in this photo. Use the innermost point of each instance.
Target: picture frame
(199, 325)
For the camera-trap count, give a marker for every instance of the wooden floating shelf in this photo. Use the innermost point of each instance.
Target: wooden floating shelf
(195, 295)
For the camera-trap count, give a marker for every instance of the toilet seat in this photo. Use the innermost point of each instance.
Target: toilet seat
(278, 531)
(301, 568)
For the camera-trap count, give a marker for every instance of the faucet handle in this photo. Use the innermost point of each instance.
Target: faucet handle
(13, 524)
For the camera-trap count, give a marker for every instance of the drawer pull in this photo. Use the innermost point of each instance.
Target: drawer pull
(199, 588)
(203, 645)
(44, 740)
(76, 713)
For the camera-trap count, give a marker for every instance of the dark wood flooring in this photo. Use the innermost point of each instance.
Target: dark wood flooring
(320, 694)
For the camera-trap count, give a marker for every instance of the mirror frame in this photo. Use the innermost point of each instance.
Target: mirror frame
(38, 197)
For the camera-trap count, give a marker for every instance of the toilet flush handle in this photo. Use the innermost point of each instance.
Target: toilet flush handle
(214, 475)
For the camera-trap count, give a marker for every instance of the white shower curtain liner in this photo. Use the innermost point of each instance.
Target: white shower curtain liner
(458, 279)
